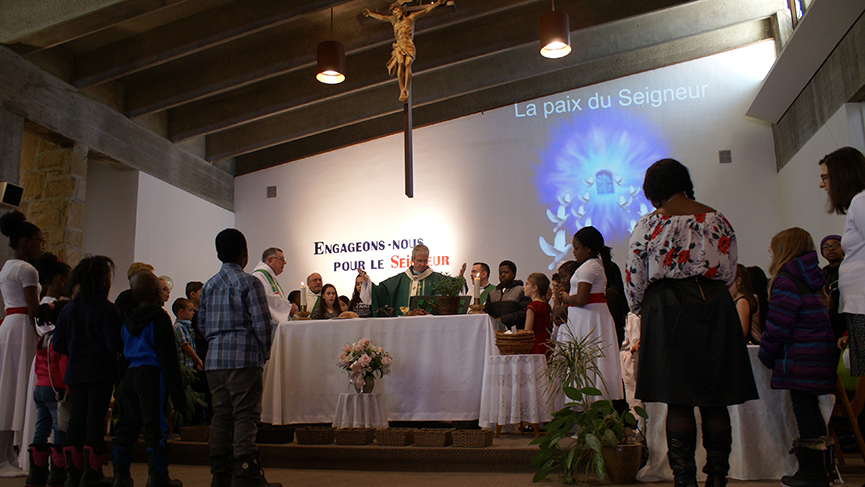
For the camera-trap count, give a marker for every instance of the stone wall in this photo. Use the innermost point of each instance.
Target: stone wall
(54, 176)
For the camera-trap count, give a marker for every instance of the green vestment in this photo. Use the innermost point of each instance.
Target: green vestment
(396, 291)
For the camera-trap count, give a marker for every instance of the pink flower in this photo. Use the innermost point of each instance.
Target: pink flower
(346, 348)
(364, 341)
(385, 361)
(342, 357)
(357, 347)
(364, 360)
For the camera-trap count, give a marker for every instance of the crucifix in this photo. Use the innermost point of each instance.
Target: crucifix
(404, 52)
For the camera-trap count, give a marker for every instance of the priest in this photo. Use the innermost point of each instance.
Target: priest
(397, 291)
(272, 264)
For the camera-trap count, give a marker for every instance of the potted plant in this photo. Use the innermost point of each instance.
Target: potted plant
(449, 289)
(575, 440)
(362, 360)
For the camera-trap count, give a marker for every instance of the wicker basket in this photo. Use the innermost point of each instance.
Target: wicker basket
(274, 435)
(515, 343)
(198, 434)
(314, 436)
(394, 436)
(473, 438)
(354, 436)
(435, 437)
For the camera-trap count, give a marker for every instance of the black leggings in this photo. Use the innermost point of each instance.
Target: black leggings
(87, 419)
(810, 420)
(681, 421)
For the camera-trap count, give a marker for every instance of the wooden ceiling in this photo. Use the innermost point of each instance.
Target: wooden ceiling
(236, 79)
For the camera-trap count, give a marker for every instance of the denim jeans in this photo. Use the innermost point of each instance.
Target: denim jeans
(46, 415)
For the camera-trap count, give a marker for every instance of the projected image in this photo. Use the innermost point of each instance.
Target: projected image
(591, 173)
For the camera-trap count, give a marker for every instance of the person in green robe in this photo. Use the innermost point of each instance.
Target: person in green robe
(396, 291)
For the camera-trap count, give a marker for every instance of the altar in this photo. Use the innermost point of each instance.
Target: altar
(437, 373)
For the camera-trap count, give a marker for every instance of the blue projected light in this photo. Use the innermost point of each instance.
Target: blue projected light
(591, 173)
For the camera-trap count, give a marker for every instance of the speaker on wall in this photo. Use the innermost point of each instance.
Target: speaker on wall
(10, 195)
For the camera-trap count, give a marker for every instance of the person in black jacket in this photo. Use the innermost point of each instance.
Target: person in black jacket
(507, 302)
(152, 376)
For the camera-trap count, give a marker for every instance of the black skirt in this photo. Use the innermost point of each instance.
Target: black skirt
(692, 350)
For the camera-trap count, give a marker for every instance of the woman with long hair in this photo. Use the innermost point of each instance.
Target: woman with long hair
(799, 346)
(681, 257)
(329, 306)
(746, 304)
(588, 313)
(19, 283)
(842, 175)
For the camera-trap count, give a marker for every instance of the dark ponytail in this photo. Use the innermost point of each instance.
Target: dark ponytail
(15, 226)
(592, 239)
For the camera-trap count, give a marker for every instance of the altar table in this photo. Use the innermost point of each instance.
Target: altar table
(763, 431)
(437, 373)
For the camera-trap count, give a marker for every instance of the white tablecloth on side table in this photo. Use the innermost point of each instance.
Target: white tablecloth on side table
(513, 391)
(763, 431)
(360, 411)
(437, 373)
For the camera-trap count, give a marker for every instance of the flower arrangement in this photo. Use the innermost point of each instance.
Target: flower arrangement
(363, 358)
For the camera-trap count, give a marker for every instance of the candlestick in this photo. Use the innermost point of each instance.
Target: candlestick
(302, 295)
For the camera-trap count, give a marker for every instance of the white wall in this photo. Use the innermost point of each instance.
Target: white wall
(484, 183)
(109, 218)
(175, 233)
(802, 202)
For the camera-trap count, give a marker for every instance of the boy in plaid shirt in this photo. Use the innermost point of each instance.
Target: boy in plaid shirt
(234, 316)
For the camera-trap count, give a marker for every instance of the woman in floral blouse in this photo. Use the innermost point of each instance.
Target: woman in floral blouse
(680, 260)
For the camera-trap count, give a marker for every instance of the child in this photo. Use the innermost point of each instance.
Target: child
(88, 331)
(538, 311)
(562, 280)
(153, 373)
(183, 311)
(588, 313)
(49, 391)
(799, 346)
(329, 306)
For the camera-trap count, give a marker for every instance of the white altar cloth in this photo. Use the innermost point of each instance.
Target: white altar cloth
(355, 410)
(513, 390)
(437, 373)
(763, 432)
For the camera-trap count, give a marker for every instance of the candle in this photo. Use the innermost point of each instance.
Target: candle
(476, 280)
(302, 295)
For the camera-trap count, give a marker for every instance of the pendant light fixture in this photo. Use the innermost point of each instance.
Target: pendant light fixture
(331, 59)
(555, 34)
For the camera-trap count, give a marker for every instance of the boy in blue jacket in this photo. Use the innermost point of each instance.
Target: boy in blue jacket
(153, 375)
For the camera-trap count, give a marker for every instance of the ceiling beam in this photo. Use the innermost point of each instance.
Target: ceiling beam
(46, 101)
(573, 77)
(186, 36)
(460, 42)
(433, 85)
(86, 22)
(286, 48)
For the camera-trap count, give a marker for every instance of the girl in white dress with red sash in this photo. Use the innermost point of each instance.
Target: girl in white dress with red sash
(19, 283)
(588, 313)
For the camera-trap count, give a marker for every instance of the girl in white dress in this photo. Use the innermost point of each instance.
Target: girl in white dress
(19, 283)
(588, 313)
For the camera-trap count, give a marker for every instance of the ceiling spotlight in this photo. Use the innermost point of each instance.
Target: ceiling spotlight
(555, 34)
(331, 60)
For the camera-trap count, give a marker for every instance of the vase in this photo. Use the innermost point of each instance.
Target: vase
(368, 385)
(622, 462)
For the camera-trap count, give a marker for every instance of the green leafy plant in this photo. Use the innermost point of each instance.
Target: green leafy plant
(182, 416)
(448, 285)
(573, 440)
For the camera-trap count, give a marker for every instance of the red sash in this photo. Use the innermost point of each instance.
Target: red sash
(15, 311)
(593, 298)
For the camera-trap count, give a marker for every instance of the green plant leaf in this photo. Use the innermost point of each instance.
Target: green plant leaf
(590, 391)
(641, 412)
(598, 461)
(573, 393)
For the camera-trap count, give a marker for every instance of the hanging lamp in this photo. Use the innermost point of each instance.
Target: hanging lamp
(331, 59)
(555, 34)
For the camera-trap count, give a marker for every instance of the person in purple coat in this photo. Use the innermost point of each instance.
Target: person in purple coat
(799, 346)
